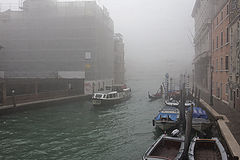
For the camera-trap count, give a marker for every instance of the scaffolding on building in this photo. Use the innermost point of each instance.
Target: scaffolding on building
(20, 6)
(14, 6)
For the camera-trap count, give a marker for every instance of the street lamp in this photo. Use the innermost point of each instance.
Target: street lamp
(13, 98)
(193, 79)
(211, 86)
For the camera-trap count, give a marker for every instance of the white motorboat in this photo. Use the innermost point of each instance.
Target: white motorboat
(111, 98)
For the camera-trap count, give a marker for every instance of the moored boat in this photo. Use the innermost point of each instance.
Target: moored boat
(165, 148)
(172, 102)
(189, 103)
(157, 95)
(154, 96)
(200, 121)
(167, 118)
(204, 149)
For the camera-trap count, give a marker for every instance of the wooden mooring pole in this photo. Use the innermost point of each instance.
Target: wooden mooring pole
(188, 131)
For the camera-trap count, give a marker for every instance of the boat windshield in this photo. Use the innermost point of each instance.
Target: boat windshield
(112, 95)
(98, 95)
(174, 101)
(188, 101)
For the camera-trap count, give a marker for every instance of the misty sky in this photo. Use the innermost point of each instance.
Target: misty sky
(157, 33)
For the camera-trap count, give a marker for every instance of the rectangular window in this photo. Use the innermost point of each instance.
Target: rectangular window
(227, 35)
(221, 38)
(217, 20)
(220, 94)
(226, 62)
(231, 95)
(88, 55)
(221, 15)
(216, 88)
(237, 93)
(221, 65)
(226, 89)
(216, 64)
(217, 42)
(213, 45)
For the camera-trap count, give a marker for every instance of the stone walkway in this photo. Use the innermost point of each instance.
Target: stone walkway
(233, 117)
(228, 120)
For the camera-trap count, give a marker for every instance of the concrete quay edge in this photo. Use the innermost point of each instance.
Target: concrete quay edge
(232, 144)
(216, 115)
(18, 105)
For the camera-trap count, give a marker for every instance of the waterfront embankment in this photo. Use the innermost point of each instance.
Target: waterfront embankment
(228, 122)
(33, 104)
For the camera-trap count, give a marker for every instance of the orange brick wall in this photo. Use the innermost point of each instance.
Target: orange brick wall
(219, 53)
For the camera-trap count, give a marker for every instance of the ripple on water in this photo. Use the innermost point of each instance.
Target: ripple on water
(77, 130)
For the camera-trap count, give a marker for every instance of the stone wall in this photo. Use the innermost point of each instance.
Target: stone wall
(29, 90)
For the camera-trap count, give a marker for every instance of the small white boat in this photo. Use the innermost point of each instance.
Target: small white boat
(165, 148)
(206, 149)
(111, 98)
(189, 103)
(172, 102)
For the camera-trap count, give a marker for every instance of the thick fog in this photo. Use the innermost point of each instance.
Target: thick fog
(157, 34)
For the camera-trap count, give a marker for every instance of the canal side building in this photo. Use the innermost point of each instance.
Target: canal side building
(202, 13)
(223, 64)
(119, 69)
(234, 69)
(220, 54)
(51, 43)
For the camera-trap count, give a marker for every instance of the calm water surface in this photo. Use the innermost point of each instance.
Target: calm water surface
(77, 130)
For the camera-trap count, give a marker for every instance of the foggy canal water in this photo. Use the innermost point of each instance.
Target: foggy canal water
(77, 130)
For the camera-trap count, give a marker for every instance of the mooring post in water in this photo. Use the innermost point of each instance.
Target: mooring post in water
(182, 108)
(195, 96)
(161, 90)
(188, 130)
(181, 113)
(199, 97)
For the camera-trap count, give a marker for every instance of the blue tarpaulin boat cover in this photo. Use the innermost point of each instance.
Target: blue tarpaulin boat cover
(172, 116)
(199, 113)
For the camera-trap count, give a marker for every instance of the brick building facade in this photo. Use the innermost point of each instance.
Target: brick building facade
(220, 53)
(234, 72)
(216, 72)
